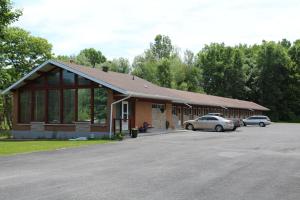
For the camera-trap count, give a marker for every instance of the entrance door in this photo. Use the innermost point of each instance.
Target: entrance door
(125, 115)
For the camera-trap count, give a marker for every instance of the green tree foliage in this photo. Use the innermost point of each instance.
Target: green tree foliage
(164, 74)
(162, 47)
(274, 79)
(21, 51)
(90, 57)
(8, 15)
(120, 65)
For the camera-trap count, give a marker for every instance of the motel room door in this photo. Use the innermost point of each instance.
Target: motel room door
(124, 116)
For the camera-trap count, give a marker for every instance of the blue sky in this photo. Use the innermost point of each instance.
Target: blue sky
(125, 28)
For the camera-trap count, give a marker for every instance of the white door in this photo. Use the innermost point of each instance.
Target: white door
(125, 115)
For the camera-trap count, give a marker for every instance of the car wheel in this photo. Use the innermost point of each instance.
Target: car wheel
(244, 124)
(261, 124)
(190, 127)
(219, 128)
(234, 129)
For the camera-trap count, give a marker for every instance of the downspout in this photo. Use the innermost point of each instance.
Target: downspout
(111, 112)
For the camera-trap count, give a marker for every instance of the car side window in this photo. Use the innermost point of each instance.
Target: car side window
(212, 119)
(202, 118)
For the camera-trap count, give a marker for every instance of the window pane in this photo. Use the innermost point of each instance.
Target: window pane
(83, 81)
(84, 105)
(100, 105)
(68, 78)
(39, 108)
(53, 78)
(69, 111)
(53, 106)
(39, 82)
(25, 106)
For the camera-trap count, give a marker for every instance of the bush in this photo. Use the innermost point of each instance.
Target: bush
(118, 136)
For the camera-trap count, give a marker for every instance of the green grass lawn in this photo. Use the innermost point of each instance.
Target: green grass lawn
(17, 147)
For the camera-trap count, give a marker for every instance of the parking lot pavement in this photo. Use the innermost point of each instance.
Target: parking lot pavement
(250, 163)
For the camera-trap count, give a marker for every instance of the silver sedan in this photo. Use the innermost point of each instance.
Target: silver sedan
(209, 122)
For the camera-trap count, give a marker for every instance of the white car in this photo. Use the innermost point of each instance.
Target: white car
(210, 122)
(260, 120)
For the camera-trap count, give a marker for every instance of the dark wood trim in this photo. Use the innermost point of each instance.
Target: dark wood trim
(46, 99)
(76, 98)
(32, 104)
(19, 107)
(92, 105)
(61, 105)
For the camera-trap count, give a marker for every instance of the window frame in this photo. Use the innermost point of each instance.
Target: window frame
(61, 87)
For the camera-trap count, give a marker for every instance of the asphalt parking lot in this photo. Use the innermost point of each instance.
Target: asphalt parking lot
(251, 163)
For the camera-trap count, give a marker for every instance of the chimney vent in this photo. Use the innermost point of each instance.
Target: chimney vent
(105, 68)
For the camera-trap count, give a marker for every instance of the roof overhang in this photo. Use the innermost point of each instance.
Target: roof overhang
(35, 71)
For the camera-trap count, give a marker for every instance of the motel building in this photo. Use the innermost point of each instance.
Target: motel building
(65, 100)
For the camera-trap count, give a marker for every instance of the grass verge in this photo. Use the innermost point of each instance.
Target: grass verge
(17, 147)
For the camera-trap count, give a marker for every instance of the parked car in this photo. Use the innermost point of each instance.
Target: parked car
(260, 120)
(210, 122)
(236, 122)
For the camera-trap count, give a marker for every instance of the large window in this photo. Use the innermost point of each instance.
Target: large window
(68, 78)
(39, 108)
(84, 101)
(25, 106)
(53, 106)
(100, 105)
(53, 78)
(69, 106)
(66, 101)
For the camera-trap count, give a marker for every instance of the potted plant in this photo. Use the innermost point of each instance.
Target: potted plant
(167, 124)
(134, 132)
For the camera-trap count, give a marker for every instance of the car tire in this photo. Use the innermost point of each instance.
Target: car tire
(244, 124)
(219, 128)
(190, 127)
(261, 124)
(234, 128)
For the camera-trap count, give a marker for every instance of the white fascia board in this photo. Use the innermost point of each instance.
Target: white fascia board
(66, 68)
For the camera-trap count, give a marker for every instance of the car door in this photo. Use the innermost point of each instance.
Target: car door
(211, 122)
(200, 123)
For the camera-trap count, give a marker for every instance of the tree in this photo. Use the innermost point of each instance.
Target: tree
(8, 15)
(90, 57)
(274, 79)
(120, 65)
(164, 74)
(162, 47)
(21, 51)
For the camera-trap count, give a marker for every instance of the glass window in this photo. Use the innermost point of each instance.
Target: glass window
(69, 108)
(39, 82)
(53, 78)
(83, 81)
(84, 96)
(39, 107)
(53, 106)
(68, 78)
(25, 106)
(100, 105)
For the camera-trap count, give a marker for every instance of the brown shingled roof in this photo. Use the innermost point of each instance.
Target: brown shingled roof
(137, 87)
(141, 87)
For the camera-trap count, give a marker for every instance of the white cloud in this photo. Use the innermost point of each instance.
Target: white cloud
(125, 28)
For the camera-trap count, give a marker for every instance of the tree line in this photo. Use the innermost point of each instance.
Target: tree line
(266, 73)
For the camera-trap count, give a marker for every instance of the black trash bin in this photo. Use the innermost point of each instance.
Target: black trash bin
(134, 133)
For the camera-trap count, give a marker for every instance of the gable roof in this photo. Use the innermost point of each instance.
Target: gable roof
(137, 87)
